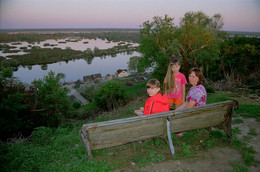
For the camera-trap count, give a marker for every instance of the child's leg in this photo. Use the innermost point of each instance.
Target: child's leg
(171, 102)
(178, 103)
(171, 105)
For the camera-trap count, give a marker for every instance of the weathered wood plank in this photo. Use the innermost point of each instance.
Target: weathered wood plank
(163, 114)
(117, 132)
(197, 122)
(133, 132)
(129, 132)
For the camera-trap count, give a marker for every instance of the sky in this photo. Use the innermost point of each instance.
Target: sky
(238, 15)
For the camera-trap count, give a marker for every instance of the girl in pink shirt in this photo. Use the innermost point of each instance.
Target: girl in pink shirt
(174, 84)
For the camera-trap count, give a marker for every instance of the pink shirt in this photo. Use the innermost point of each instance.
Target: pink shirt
(180, 79)
(197, 94)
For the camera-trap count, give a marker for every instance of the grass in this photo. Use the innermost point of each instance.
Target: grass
(238, 167)
(249, 111)
(237, 121)
(252, 132)
(61, 150)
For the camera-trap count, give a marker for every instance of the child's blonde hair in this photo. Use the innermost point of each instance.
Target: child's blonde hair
(169, 85)
(153, 83)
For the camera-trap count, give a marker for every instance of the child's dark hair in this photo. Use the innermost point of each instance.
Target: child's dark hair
(175, 62)
(153, 83)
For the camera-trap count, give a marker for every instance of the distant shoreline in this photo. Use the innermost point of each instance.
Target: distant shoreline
(82, 30)
(64, 30)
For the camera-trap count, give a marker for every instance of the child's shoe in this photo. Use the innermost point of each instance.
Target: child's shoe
(179, 134)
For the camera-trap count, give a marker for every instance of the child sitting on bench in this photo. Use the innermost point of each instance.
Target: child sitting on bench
(157, 102)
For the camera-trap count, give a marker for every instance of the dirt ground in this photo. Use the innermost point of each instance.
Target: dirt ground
(216, 159)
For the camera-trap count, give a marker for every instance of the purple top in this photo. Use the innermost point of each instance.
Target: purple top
(197, 94)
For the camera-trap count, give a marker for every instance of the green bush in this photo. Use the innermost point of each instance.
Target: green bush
(52, 100)
(90, 93)
(88, 110)
(46, 44)
(42, 135)
(111, 95)
(76, 105)
(210, 89)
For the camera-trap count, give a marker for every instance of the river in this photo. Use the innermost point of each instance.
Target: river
(74, 69)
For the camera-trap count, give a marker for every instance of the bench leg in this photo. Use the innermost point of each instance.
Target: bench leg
(227, 125)
(86, 143)
(170, 137)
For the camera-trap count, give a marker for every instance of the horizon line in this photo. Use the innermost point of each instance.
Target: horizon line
(72, 29)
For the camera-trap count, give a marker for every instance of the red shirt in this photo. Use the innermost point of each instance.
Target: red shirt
(155, 104)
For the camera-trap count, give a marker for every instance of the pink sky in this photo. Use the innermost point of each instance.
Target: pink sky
(239, 15)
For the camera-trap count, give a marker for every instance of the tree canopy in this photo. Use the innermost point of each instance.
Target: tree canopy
(194, 42)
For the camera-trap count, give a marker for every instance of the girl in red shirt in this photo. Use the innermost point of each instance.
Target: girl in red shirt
(157, 102)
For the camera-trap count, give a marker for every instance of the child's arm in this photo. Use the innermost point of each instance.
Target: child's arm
(183, 93)
(140, 112)
(182, 106)
(187, 105)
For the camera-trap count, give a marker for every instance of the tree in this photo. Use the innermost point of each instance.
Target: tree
(51, 101)
(198, 39)
(240, 58)
(111, 95)
(15, 116)
(194, 42)
(133, 62)
(158, 44)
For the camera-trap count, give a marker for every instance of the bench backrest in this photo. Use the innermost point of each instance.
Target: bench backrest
(121, 131)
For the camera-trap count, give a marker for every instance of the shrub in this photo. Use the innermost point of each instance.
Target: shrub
(42, 135)
(90, 93)
(111, 95)
(76, 105)
(52, 100)
(46, 44)
(210, 89)
(88, 110)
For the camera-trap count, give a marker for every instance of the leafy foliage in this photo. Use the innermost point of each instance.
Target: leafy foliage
(198, 37)
(51, 101)
(195, 42)
(14, 110)
(111, 95)
(158, 44)
(240, 57)
(133, 62)
(210, 89)
(24, 108)
(42, 135)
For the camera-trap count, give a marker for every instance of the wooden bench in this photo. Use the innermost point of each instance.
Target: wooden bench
(121, 131)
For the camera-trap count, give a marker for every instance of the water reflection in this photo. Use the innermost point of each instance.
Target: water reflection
(76, 69)
(81, 45)
(44, 67)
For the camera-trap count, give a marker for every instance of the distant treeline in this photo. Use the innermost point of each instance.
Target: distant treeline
(243, 33)
(110, 35)
(70, 30)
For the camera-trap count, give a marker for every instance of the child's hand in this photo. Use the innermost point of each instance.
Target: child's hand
(139, 112)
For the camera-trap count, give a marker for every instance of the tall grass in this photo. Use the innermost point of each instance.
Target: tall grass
(58, 150)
